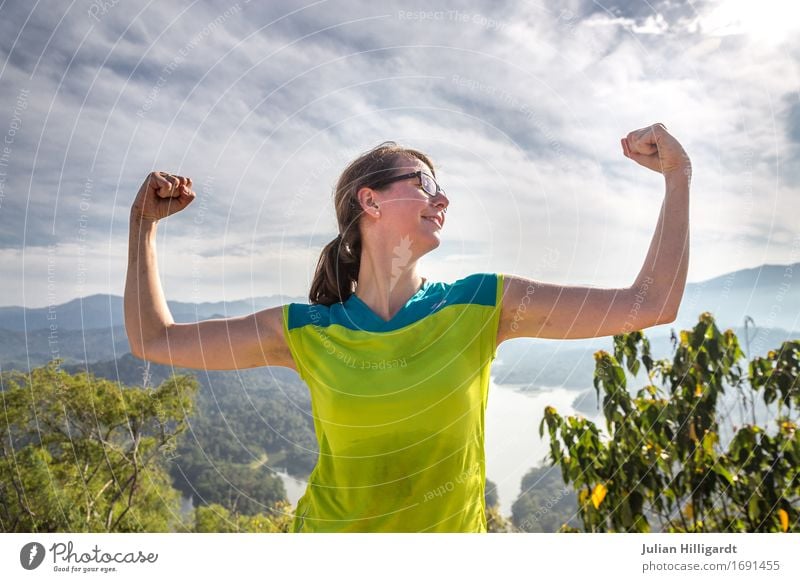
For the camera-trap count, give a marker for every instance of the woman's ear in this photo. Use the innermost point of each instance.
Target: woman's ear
(368, 201)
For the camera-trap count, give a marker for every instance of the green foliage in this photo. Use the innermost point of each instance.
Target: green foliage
(239, 415)
(216, 518)
(241, 419)
(545, 504)
(490, 493)
(495, 522)
(662, 463)
(233, 435)
(80, 454)
(244, 489)
(242, 416)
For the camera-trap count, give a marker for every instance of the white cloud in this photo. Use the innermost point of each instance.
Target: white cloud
(521, 107)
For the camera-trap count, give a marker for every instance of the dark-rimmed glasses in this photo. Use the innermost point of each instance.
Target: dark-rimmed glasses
(426, 182)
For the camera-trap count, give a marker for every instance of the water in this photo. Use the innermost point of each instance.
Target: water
(294, 487)
(513, 444)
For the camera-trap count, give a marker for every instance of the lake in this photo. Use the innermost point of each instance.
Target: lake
(513, 444)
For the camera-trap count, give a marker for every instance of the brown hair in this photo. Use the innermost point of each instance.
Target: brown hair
(339, 263)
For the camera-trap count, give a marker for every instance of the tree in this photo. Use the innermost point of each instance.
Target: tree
(239, 488)
(216, 518)
(545, 503)
(80, 454)
(495, 522)
(662, 462)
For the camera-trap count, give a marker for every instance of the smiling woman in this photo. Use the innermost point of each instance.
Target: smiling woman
(397, 364)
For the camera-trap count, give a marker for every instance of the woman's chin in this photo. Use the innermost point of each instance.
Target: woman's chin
(434, 238)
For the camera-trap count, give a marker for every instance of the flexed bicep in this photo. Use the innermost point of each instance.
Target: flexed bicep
(536, 309)
(248, 341)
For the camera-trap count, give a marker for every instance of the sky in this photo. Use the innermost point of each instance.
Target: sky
(521, 106)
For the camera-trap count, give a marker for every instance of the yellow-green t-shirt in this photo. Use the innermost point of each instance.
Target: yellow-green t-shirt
(398, 408)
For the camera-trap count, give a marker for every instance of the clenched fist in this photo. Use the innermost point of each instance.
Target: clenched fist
(654, 148)
(161, 195)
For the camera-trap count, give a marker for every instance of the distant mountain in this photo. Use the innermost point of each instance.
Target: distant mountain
(539, 364)
(764, 293)
(106, 311)
(770, 294)
(18, 350)
(91, 329)
(131, 371)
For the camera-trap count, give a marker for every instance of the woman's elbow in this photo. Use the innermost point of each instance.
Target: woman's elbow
(666, 317)
(146, 350)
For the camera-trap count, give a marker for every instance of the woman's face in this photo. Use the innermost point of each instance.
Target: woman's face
(407, 212)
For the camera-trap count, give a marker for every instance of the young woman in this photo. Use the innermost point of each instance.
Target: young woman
(398, 364)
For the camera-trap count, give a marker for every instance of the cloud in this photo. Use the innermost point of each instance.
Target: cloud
(642, 12)
(520, 105)
(793, 117)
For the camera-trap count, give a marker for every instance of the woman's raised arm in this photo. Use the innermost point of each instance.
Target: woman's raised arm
(218, 344)
(536, 309)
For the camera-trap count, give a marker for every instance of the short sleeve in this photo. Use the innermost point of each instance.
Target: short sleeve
(484, 291)
(293, 338)
(493, 318)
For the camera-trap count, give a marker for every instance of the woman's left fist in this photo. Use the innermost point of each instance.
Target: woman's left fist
(654, 148)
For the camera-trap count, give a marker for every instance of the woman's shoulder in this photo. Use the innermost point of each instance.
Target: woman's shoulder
(301, 314)
(482, 282)
(476, 288)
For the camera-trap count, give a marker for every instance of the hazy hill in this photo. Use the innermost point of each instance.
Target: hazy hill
(770, 294)
(106, 311)
(91, 329)
(536, 364)
(765, 293)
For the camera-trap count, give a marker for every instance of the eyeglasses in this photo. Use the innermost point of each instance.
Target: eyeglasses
(428, 184)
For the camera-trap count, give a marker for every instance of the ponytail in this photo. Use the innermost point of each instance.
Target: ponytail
(337, 270)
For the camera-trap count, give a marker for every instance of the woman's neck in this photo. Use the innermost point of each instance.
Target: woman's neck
(386, 288)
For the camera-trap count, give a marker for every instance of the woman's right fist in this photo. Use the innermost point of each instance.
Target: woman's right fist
(161, 195)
